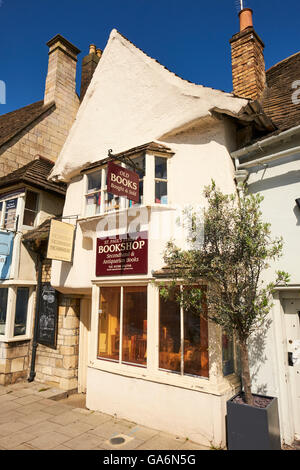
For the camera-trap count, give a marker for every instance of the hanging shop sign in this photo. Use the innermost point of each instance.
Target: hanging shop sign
(122, 254)
(61, 241)
(47, 326)
(122, 182)
(6, 250)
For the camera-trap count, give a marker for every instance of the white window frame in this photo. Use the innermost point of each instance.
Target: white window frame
(8, 336)
(148, 186)
(120, 361)
(215, 383)
(20, 209)
(23, 203)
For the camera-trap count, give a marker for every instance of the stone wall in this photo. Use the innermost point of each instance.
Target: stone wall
(14, 361)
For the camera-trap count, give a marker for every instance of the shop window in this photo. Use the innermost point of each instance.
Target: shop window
(129, 343)
(109, 323)
(31, 208)
(15, 311)
(227, 354)
(134, 344)
(161, 181)
(21, 311)
(183, 339)
(3, 309)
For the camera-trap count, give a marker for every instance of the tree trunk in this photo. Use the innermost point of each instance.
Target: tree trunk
(246, 373)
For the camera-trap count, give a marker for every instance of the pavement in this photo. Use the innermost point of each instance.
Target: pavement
(34, 416)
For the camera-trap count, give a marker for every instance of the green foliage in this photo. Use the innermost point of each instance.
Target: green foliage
(237, 249)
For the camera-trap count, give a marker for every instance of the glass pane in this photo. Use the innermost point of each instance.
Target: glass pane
(10, 213)
(29, 218)
(227, 354)
(135, 325)
(169, 335)
(94, 181)
(21, 311)
(31, 200)
(109, 323)
(112, 202)
(93, 204)
(161, 192)
(160, 168)
(195, 344)
(3, 306)
(140, 162)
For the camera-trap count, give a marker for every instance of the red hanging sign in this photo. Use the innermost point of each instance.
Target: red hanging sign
(122, 182)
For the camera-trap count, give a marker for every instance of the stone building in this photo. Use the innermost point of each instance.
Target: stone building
(30, 141)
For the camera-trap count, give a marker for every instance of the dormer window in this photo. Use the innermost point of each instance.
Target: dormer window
(153, 185)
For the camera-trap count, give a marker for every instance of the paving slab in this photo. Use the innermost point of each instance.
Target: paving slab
(48, 440)
(38, 417)
(85, 441)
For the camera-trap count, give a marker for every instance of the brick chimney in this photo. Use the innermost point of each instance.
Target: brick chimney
(247, 55)
(61, 77)
(89, 64)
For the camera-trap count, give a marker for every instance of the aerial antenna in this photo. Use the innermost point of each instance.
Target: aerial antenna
(240, 5)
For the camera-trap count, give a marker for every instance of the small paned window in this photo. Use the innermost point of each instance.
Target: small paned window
(161, 180)
(21, 311)
(31, 209)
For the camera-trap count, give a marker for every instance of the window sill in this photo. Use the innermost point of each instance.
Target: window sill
(15, 339)
(154, 206)
(193, 383)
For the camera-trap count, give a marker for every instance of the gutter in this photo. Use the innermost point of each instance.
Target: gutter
(258, 146)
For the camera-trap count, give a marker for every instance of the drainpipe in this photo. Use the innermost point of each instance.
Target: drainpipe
(36, 319)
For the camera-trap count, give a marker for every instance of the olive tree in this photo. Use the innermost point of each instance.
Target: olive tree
(235, 253)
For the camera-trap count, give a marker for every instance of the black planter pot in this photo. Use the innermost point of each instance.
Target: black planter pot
(252, 428)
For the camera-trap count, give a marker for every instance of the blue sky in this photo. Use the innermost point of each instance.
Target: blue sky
(189, 37)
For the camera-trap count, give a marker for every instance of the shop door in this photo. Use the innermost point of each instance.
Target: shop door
(84, 333)
(292, 322)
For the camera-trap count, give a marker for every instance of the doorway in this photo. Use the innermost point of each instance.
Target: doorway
(292, 324)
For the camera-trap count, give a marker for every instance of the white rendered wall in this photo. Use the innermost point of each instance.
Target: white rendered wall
(163, 407)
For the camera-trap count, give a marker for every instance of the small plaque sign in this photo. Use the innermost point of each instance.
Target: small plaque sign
(122, 255)
(47, 328)
(61, 239)
(122, 182)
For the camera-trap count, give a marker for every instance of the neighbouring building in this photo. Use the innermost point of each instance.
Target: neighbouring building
(140, 358)
(30, 141)
(271, 166)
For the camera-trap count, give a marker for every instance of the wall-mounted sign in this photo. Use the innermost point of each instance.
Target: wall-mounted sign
(122, 255)
(122, 182)
(47, 327)
(61, 240)
(6, 249)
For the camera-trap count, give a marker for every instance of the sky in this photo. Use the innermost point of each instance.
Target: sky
(189, 37)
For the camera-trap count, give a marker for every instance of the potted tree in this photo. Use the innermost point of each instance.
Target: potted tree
(235, 251)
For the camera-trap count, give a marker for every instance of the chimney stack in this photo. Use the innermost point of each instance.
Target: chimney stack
(247, 55)
(61, 77)
(89, 64)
